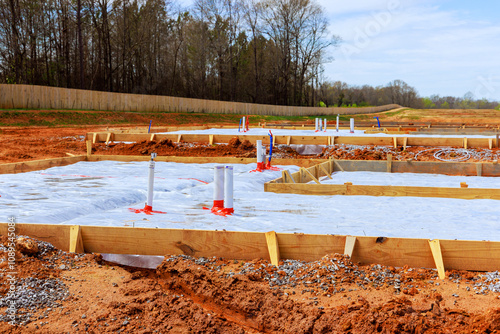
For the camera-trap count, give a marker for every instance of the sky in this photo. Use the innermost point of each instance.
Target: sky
(442, 47)
(439, 47)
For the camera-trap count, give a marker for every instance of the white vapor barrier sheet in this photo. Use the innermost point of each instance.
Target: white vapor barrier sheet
(101, 193)
(330, 132)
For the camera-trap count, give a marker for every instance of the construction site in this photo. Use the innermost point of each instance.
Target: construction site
(345, 221)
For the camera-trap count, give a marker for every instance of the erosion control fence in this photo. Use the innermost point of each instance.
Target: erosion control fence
(42, 97)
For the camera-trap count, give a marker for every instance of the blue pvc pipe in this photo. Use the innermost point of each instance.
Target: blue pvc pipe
(151, 121)
(239, 126)
(378, 121)
(270, 146)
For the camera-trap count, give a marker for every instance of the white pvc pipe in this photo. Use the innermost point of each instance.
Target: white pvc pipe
(244, 127)
(258, 143)
(228, 187)
(316, 126)
(337, 123)
(219, 186)
(352, 125)
(151, 180)
(324, 128)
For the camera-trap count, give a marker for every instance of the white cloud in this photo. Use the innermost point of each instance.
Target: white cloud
(437, 51)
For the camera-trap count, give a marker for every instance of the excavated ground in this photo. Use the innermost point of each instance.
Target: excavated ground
(59, 292)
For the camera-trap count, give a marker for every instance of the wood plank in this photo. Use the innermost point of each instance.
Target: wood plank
(350, 242)
(398, 252)
(89, 148)
(303, 140)
(33, 165)
(323, 168)
(75, 240)
(438, 257)
(310, 174)
(204, 160)
(337, 164)
(57, 235)
(391, 191)
(273, 247)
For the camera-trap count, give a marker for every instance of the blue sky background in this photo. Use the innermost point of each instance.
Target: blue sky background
(437, 46)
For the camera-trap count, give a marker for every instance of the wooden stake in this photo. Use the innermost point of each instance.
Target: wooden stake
(395, 142)
(497, 140)
(153, 135)
(287, 178)
(337, 164)
(389, 163)
(211, 139)
(179, 137)
(75, 240)
(288, 140)
(490, 143)
(405, 140)
(438, 257)
(465, 142)
(108, 137)
(350, 242)
(89, 148)
(273, 248)
(479, 169)
(325, 171)
(94, 138)
(310, 174)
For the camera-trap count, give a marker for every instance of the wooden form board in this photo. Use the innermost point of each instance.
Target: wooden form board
(456, 254)
(429, 167)
(301, 140)
(29, 166)
(204, 160)
(392, 191)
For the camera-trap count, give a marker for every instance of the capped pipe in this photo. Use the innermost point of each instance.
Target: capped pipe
(228, 189)
(151, 180)
(352, 125)
(218, 186)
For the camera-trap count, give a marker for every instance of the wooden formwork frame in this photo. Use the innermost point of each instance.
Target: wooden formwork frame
(440, 254)
(298, 182)
(465, 142)
(397, 252)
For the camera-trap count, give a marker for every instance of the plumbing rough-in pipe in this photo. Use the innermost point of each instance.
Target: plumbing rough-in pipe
(352, 125)
(219, 187)
(228, 189)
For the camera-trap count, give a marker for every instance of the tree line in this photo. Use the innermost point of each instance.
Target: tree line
(258, 51)
(268, 51)
(341, 94)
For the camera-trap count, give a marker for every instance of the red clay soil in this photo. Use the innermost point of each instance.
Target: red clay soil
(79, 293)
(33, 143)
